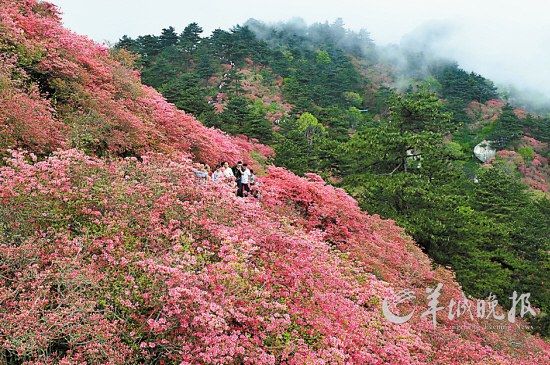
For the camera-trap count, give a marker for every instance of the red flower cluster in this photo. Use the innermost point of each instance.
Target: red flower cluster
(490, 111)
(124, 260)
(87, 99)
(536, 170)
(111, 262)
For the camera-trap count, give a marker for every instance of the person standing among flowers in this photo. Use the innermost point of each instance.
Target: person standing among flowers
(202, 173)
(245, 180)
(227, 171)
(218, 174)
(238, 173)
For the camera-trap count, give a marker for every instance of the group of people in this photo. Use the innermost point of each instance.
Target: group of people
(240, 176)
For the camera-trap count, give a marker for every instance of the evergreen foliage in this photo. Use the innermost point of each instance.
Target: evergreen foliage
(403, 155)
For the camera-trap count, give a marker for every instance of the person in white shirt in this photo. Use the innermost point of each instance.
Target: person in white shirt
(245, 180)
(218, 174)
(228, 171)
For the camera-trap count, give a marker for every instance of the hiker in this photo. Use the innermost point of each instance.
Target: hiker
(218, 174)
(238, 173)
(202, 172)
(253, 185)
(227, 171)
(245, 180)
(252, 178)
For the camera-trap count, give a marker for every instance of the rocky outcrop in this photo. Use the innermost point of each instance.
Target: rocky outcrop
(484, 152)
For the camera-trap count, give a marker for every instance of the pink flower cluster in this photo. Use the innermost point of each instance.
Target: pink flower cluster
(491, 110)
(536, 144)
(520, 113)
(125, 260)
(104, 105)
(535, 172)
(26, 118)
(111, 262)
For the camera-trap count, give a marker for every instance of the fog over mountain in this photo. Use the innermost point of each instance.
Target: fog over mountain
(515, 58)
(507, 41)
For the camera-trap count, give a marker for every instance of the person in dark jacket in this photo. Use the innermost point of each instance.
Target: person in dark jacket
(238, 172)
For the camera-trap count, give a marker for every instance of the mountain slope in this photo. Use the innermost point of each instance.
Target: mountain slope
(112, 252)
(104, 108)
(396, 128)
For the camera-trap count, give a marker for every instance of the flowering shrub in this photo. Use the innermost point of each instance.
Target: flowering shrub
(125, 260)
(490, 111)
(520, 113)
(128, 260)
(79, 85)
(532, 142)
(318, 206)
(495, 103)
(535, 170)
(25, 118)
(269, 93)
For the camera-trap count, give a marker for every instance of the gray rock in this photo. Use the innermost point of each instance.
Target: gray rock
(484, 152)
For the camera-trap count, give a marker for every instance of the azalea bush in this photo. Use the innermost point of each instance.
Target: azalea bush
(124, 260)
(111, 252)
(58, 90)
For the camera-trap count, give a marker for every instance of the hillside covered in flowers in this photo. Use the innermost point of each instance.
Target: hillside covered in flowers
(397, 128)
(111, 252)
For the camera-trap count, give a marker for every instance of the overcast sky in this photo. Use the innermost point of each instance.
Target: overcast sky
(507, 41)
